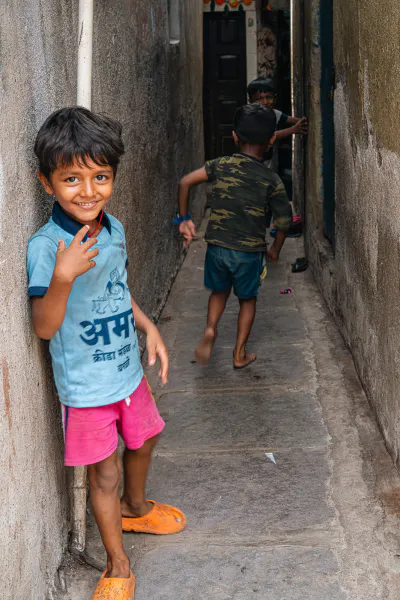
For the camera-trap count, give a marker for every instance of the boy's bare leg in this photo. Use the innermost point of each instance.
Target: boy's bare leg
(136, 466)
(104, 479)
(216, 307)
(246, 317)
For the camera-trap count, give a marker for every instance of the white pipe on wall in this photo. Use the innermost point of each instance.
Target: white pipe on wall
(85, 49)
(84, 98)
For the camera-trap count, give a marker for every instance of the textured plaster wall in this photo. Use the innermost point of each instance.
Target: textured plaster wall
(266, 47)
(154, 88)
(367, 196)
(361, 282)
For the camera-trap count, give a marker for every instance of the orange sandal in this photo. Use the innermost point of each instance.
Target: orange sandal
(113, 588)
(161, 520)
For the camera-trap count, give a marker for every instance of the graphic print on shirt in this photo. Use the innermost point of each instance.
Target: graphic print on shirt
(105, 330)
(114, 292)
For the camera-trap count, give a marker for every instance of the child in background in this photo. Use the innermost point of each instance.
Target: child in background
(82, 304)
(244, 190)
(262, 90)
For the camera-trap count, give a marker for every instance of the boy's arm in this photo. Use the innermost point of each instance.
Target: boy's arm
(298, 126)
(48, 312)
(275, 250)
(187, 228)
(282, 214)
(154, 341)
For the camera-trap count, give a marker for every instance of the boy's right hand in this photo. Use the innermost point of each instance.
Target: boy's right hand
(75, 260)
(188, 230)
(272, 254)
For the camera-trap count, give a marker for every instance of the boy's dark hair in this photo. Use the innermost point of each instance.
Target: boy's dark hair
(261, 84)
(77, 133)
(254, 124)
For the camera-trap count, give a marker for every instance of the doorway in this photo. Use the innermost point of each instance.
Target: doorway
(224, 79)
(284, 101)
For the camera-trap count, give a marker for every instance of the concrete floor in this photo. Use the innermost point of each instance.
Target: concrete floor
(321, 523)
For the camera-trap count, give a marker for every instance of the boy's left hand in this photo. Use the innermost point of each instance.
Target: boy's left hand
(156, 347)
(301, 126)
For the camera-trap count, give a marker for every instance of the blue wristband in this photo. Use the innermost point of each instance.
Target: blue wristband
(178, 220)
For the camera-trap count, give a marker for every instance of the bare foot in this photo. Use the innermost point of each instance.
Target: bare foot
(243, 361)
(204, 349)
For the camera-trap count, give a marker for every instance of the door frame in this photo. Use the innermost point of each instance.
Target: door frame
(298, 103)
(327, 115)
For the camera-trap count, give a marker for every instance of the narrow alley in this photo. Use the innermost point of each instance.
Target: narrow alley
(123, 117)
(319, 523)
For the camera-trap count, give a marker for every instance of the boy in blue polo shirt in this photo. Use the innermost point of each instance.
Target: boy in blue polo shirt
(82, 304)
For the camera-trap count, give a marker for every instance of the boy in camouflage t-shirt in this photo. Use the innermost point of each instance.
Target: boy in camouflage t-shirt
(244, 191)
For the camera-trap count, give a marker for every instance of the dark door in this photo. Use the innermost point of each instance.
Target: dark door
(328, 133)
(224, 79)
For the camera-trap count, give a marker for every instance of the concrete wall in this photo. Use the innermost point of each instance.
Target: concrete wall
(360, 280)
(154, 88)
(266, 49)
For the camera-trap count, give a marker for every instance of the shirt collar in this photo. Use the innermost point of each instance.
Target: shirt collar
(251, 157)
(69, 224)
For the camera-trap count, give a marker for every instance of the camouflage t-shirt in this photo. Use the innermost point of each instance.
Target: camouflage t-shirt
(243, 191)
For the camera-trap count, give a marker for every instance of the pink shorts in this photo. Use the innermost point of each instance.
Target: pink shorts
(91, 434)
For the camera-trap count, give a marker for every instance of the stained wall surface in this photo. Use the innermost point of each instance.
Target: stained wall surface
(360, 275)
(267, 36)
(152, 84)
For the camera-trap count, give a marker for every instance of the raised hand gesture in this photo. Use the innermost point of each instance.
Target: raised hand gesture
(77, 259)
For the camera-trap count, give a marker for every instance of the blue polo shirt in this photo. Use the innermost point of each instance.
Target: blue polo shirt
(95, 353)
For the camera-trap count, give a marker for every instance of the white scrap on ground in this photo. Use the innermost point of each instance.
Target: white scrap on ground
(271, 457)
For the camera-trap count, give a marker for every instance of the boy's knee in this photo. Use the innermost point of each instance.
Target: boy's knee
(105, 476)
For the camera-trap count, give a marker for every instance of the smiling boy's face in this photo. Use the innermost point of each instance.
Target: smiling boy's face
(81, 190)
(265, 98)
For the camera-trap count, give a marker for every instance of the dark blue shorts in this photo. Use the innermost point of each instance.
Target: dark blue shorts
(226, 268)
